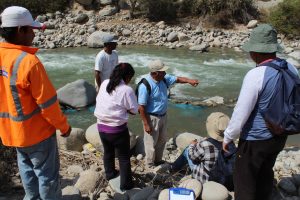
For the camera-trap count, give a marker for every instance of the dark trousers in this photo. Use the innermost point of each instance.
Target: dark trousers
(253, 174)
(119, 142)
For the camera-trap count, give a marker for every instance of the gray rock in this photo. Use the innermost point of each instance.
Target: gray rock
(252, 24)
(71, 193)
(82, 18)
(108, 11)
(75, 169)
(288, 50)
(139, 157)
(288, 185)
(164, 194)
(93, 137)
(77, 94)
(295, 55)
(143, 194)
(85, 2)
(115, 185)
(192, 184)
(217, 100)
(214, 191)
(96, 39)
(126, 32)
(202, 47)
(87, 181)
(182, 37)
(103, 196)
(172, 37)
(41, 18)
(51, 45)
(184, 139)
(73, 142)
(106, 2)
(49, 25)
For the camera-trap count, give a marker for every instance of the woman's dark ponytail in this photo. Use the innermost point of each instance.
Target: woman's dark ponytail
(120, 72)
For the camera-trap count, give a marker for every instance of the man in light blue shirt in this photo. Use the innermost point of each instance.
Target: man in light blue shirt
(153, 109)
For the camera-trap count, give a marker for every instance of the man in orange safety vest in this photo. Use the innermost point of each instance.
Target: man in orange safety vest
(29, 110)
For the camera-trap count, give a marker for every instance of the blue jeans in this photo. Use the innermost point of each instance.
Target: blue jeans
(39, 170)
(182, 160)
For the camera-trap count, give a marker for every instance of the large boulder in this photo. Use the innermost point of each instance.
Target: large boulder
(214, 191)
(77, 94)
(73, 142)
(192, 184)
(71, 193)
(201, 48)
(87, 181)
(184, 139)
(172, 37)
(93, 137)
(96, 39)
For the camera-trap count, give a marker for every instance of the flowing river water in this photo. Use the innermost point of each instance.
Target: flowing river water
(219, 71)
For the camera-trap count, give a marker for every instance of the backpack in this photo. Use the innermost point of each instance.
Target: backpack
(222, 171)
(146, 83)
(282, 115)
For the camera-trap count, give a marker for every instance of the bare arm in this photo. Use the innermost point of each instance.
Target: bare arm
(193, 82)
(97, 78)
(145, 119)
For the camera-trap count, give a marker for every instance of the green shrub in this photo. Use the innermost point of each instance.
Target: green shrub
(36, 6)
(286, 17)
(159, 9)
(240, 11)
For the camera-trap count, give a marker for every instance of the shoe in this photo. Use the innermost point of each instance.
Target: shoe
(115, 174)
(159, 162)
(166, 167)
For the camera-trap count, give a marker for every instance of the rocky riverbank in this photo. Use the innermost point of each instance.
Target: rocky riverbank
(87, 28)
(82, 172)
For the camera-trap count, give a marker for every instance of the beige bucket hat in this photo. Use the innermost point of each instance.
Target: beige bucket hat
(216, 124)
(157, 65)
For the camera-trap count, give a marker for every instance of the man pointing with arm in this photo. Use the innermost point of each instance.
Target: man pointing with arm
(153, 109)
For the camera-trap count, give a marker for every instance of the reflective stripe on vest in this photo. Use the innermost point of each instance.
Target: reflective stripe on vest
(14, 91)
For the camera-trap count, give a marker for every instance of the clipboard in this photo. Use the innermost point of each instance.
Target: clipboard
(181, 194)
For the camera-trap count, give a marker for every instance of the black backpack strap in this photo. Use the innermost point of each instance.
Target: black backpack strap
(165, 81)
(146, 83)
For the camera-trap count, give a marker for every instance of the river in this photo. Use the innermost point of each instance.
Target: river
(219, 71)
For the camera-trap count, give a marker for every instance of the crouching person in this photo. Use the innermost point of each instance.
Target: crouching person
(205, 158)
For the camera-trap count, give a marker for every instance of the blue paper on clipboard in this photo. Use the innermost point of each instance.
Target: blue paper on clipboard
(181, 194)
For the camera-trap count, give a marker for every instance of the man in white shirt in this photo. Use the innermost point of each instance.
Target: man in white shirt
(105, 61)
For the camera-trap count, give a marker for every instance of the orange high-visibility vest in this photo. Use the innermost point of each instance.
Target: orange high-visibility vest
(29, 110)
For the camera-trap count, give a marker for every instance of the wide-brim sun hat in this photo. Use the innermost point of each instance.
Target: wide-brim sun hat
(15, 16)
(157, 65)
(263, 39)
(216, 124)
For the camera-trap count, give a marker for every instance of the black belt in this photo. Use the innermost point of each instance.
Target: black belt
(157, 115)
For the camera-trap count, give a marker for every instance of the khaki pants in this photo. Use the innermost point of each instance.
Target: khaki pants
(155, 143)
